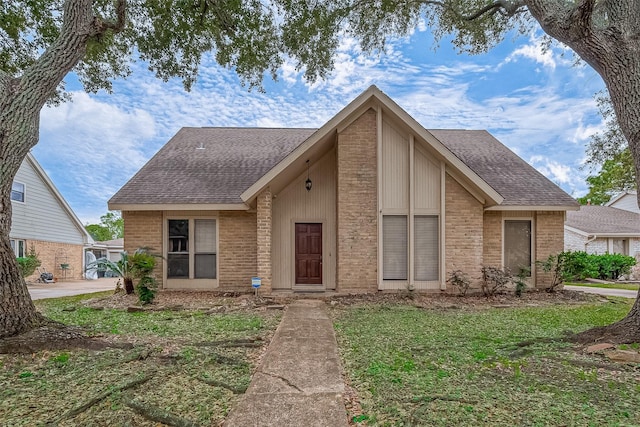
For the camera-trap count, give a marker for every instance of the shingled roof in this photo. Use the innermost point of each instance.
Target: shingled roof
(604, 220)
(215, 165)
(209, 165)
(517, 181)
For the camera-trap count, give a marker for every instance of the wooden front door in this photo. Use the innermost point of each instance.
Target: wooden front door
(309, 254)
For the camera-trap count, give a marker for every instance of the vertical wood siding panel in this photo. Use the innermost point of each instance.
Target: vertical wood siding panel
(395, 167)
(427, 182)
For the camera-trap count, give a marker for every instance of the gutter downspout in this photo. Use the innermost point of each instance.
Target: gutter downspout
(595, 236)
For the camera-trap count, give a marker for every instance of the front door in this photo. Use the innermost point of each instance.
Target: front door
(308, 254)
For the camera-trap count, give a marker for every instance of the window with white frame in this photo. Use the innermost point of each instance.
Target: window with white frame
(517, 245)
(192, 249)
(426, 262)
(17, 191)
(394, 247)
(18, 247)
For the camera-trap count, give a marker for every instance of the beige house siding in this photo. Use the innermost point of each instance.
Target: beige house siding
(463, 231)
(144, 229)
(295, 204)
(549, 240)
(237, 250)
(357, 216)
(53, 254)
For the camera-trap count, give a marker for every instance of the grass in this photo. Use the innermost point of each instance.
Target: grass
(627, 286)
(414, 367)
(180, 351)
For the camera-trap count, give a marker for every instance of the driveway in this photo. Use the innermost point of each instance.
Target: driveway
(602, 291)
(70, 287)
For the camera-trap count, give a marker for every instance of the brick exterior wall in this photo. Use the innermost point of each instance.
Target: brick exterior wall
(264, 228)
(357, 206)
(463, 232)
(549, 240)
(574, 241)
(52, 254)
(237, 250)
(144, 229)
(492, 246)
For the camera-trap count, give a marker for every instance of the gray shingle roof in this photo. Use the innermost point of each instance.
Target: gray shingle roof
(232, 159)
(517, 181)
(603, 220)
(229, 162)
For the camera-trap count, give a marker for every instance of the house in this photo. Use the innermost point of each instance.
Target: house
(627, 200)
(603, 229)
(41, 219)
(370, 201)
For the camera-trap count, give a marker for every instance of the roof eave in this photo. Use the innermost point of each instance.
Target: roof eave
(533, 208)
(178, 206)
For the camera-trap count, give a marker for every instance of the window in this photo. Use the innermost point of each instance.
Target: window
(394, 247)
(191, 250)
(517, 245)
(620, 246)
(18, 247)
(17, 192)
(426, 252)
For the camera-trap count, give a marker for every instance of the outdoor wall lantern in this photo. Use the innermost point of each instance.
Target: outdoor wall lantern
(308, 183)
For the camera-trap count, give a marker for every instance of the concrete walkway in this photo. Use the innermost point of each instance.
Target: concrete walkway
(70, 287)
(299, 381)
(604, 291)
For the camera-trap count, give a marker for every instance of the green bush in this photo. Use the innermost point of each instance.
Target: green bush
(147, 287)
(579, 265)
(27, 265)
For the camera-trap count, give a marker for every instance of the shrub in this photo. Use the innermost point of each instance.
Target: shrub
(460, 281)
(613, 266)
(557, 265)
(27, 265)
(495, 280)
(521, 280)
(147, 288)
(579, 265)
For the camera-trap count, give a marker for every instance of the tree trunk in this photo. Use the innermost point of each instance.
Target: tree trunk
(606, 35)
(128, 285)
(21, 99)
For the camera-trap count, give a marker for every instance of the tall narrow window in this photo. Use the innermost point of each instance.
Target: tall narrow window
(18, 247)
(205, 250)
(395, 247)
(426, 252)
(517, 245)
(178, 249)
(17, 192)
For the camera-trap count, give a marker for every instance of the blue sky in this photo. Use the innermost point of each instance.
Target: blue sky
(537, 103)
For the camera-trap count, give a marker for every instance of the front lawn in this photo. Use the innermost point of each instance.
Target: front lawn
(187, 366)
(494, 367)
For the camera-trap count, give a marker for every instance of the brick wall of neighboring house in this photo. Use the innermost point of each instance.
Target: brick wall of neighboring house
(463, 232)
(143, 229)
(492, 247)
(237, 247)
(53, 254)
(549, 241)
(574, 241)
(264, 226)
(357, 217)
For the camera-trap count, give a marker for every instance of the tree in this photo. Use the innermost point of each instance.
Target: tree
(43, 40)
(615, 177)
(111, 227)
(609, 151)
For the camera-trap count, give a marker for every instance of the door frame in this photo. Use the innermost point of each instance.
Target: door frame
(292, 240)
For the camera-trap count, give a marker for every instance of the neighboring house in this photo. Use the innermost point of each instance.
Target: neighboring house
(627, 201)
(370, 201)
(602, 229)
(42, 219)
(109, 249)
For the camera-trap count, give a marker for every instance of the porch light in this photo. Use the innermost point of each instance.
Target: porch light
(308, 183)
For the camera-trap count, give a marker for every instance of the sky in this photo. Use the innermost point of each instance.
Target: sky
(538, 103)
